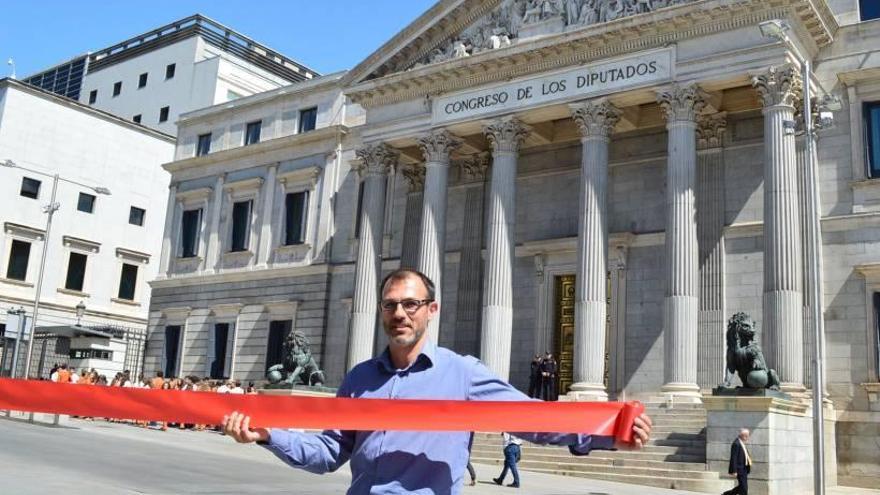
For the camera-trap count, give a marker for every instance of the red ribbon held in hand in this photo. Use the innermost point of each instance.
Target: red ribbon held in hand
(319, 413)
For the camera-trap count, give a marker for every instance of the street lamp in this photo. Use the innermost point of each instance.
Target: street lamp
(80, 311)
(778, 29)
(50, 210)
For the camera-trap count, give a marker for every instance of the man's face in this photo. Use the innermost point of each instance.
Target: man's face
(404, 329)
(745, 436)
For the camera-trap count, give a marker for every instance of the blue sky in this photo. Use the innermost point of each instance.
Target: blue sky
(326, 35)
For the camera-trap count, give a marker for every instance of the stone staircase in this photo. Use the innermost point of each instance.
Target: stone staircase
(674, 458)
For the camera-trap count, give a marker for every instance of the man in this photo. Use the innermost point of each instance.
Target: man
(512, 451)
(411, 367)
(740, 464)
(535, 377)
(548, 377)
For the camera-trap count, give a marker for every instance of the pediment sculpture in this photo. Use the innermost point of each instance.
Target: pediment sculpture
(504, 25)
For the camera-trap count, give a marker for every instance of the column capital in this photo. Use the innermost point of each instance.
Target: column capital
(474, 167)
(710, 130)
(376, 159)
(437, 145)
(415, 175)
(595, 118)
(506, 134)
(779, 85)
(681, 103)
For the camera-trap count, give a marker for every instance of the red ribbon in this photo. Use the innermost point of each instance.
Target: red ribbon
(318, 413)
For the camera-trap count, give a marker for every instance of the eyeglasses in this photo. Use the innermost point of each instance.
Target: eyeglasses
(409, 305)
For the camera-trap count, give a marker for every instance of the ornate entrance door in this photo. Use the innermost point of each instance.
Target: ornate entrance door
(563, 338)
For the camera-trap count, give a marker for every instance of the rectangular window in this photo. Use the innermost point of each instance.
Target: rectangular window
(136, 216)
(217, 351)
(278, 332)
(86, 203)
(252, 134)
(117, 88)
(189, 233)
(128, 281)
(93, 96)
(872, 136)
(169, 71)
(91, 354)
(19, 255)
(142, 80)
(30, 188)
(172, 345)
(204, 145)
(163, 114)
(136, 119)
(76, 272)
(295, 215)
(241, 222)
(307, 119)
(357, 214)
(869, 9)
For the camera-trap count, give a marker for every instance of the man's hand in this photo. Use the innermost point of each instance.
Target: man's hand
(641, 433)
(237, 426)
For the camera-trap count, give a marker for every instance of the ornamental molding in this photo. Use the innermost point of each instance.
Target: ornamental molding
(595, 42)
(710, 130)
(779, 86)
(596, 118)
(415, 175)
(682, 103)
(437, 146)
(376, 159)
(474, 167)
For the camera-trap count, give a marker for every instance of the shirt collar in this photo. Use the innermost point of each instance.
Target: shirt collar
(428, 355)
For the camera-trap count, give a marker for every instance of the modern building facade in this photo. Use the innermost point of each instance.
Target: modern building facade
(101, 249)
(154, 77)
(607, 180)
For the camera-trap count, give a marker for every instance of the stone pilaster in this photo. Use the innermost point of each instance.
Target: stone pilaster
(264, 251)
(168, 237)
(596, 121)
(681, 104)
(505, 135)
(212, 256)
(710, 238)
(470, 268)
(377, 161)
(432, 246)
(409, 250)
(779, 89)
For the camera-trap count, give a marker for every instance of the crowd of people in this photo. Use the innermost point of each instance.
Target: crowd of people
(62, 373)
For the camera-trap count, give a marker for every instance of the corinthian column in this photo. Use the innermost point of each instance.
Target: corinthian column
(432, 246)
(377, 161)
(779, 89)
(506, 135)
(596, 120)
(681, 104)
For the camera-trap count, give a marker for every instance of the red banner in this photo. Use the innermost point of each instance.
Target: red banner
(318, 413)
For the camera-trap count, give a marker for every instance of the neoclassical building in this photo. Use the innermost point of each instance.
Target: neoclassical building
(608, 180)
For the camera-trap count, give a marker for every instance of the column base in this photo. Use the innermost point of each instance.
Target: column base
(587, 392)
(685, 393)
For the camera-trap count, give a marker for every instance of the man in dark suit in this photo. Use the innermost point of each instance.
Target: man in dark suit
(740, 464)
(548, 377)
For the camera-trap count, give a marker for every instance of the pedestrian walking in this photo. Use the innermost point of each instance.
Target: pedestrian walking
(512, 454)
(740, 464)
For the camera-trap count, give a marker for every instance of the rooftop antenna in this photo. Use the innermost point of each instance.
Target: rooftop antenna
(11, 63)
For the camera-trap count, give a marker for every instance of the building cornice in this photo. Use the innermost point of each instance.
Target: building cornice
(594, 42)
(238, 276)
(294, 141)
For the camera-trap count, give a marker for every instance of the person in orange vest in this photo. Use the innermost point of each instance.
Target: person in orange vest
(157, 383)
(63, 374)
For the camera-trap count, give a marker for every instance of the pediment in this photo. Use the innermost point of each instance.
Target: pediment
(478, 41)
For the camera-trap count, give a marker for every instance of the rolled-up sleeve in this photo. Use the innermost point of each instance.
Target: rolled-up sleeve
(485, 385)
(316, 453)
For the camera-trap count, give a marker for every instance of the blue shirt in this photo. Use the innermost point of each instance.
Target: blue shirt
(423, 462)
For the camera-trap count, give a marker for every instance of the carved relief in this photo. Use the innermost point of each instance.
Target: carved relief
(596, 118)
(682, 103)
(415, 175)
(438, 145)
(506, 134)
(474, 167)
(710, 130)
(501, 27)
(376, 159)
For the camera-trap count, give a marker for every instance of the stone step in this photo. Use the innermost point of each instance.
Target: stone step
(714, 485)
(649, 453)
(592, 460)
(529, 464)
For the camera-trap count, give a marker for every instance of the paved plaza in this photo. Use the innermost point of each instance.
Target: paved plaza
(99, 458)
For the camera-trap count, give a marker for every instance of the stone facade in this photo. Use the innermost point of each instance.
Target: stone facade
(661, 170)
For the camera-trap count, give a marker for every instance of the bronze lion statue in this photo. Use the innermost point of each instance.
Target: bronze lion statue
(744, 356)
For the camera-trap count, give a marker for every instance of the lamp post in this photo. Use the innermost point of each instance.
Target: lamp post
(778, 30)
(49, 210)
(80, 311)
